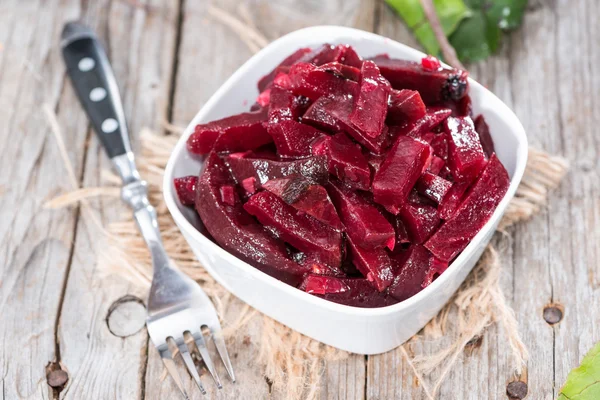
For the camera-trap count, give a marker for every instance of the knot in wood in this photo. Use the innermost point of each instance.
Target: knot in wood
(126, 316)
(553, 313)
(516, 390)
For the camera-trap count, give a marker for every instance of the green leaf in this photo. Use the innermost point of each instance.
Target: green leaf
(583, 382)
(450, 13)
(506, 14)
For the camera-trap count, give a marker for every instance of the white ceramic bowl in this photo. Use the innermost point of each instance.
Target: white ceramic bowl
(358, 330)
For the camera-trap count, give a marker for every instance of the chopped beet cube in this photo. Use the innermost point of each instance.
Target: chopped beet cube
(437, 164)
(282, 80)
(304, 195)
(186, 189)
(412, 268)
(483, 130)
(313, 82)
(283, 106)
(346, 160)
(296, 228)
(439, 144)
(228, 195)
(433, 187)
(370, 105)
(473, 213)
(356, 292)
(314, 168)
(405, 106)
(374, 264)
(369, 227)
(291, 59)
(397, 175)
(264, 98)
(452, 199)
(342, 70)
(318, 267)
(430, 63)
(465, 154)
(236, 231)
(236, 133)
(436, 267)
(249, 185)
(420, 220)
(319, 115)
(322, 55)
(417, 129)
(434, 86)
(292, 138)
(349, 57)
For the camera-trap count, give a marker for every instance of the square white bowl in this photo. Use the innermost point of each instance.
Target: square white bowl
(358, 330)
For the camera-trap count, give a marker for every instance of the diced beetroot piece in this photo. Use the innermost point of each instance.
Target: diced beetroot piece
(349, 57)
(356, 292)
(282, 80)
(433, 187)
(292, 138)
(186, 189)
(465, 154)
(436, 267)
(313, 82)
(405, 106)
(318, 267)
(319, 115)
(314, 168)
(452, 199)
(304, 195)
(473, 213)
(321, 55)
(439, 144)
(236, 231)
(374, 264)
(417, 129)
(420, 220)
(249, 185)
(483, 130)
(236, 133)
(430, 63)
(369, 227)
(283, 106)
(437, 164)
(264, 98)
(370, 105)
(291, 59)
(412, 268)
(298, 229)
(228, 195)
(397, 175)
(343, 70)
(346, 160)
(434, 86)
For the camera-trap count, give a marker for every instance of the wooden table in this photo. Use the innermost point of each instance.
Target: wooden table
(169, 57)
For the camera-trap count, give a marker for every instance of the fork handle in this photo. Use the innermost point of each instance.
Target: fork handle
(96, 87)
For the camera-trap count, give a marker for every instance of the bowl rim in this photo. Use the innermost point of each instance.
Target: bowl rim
(323, 31)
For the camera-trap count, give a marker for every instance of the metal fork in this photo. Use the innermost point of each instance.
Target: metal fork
(176, 304)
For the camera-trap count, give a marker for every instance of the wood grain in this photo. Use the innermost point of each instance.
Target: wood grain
(54, 302)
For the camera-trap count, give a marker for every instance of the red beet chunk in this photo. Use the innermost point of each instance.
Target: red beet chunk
(417, 129)
(350, 57)
(291, 59)
(370, 105)
(186, 189)
(434, 86)
(465, 154)
(475, 210)
(236, 133)
(433, 187)
(264, 98)
(430, 63)
(342, 70)
(412, 268)
(228, 195)
(313, 168)
(327, 53)
(367, 225)
(439, 144)
(452, 199)
(235, 231)
(405, 106)
(314, 82)
(356, 292)
(283, 106)
(320, 116)
(483, 130)
(318, 267)
(437, 164)
(292, 138)
(420, 220)
(400, 170)
(374, 264)
(346, 160)
(304, 195)
(298, 229)
(436, 268)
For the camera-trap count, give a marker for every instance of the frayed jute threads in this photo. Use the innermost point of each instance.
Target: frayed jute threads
(291, 361)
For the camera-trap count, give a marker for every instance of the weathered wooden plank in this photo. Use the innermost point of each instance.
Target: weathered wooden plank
(35, 244)
(102, 362)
